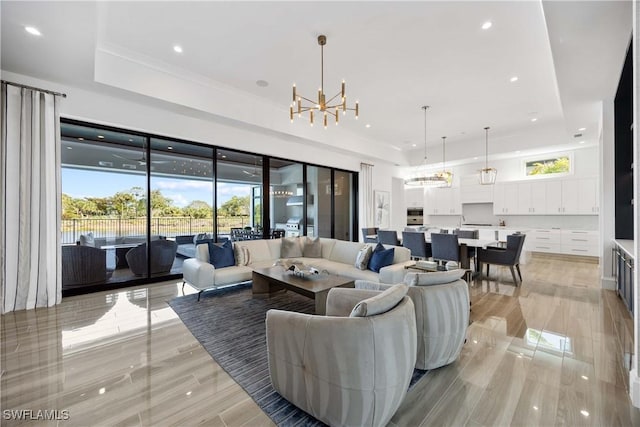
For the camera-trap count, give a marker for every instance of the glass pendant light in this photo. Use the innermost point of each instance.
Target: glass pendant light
(487, 174)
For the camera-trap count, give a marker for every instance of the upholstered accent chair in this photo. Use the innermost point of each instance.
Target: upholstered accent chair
(84, 265)
(345, 371)
(509, 256)
(441, 301)
(163, 253)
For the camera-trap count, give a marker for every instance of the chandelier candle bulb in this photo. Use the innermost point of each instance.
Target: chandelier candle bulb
(342, 91)
(357, 110)
(311, 117)
(294, 93)
(325, 119)
(291, 113)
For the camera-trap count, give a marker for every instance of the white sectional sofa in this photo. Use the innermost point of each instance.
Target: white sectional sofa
(338, 257)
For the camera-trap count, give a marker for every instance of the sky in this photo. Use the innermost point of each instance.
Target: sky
(79, 183)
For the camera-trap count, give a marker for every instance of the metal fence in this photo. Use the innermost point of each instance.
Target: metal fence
(163, 226)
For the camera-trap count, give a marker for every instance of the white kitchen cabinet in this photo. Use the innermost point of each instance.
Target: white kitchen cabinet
(544, 240)
(553, 195)
(505, 199)
(588, 199)
(532, 198)
(443, 201)
(570, 196)
(414, 197)
(580, 242)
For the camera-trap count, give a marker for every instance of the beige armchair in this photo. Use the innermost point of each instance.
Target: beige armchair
(441, 301)
(345, 371)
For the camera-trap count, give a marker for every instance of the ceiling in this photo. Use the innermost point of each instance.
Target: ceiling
(394, 56)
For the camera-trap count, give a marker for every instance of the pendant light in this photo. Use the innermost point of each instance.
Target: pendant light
(487, 175)
(446, 175)
(420, 177)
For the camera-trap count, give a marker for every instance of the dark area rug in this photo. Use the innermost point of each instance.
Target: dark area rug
(230, 325)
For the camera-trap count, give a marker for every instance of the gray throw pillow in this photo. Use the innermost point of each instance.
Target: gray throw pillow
(290, 248)
(363, 257)
(380, 303)
(434, 278)
(312, 248)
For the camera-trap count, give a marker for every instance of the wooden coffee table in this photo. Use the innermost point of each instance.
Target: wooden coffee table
(273, 279)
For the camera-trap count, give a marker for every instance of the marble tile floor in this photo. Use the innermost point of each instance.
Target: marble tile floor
(550, 352)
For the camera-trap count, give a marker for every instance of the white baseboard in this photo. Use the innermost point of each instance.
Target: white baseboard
(608, 283)
(634, 388)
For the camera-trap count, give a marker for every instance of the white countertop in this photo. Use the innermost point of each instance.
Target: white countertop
(627, 246)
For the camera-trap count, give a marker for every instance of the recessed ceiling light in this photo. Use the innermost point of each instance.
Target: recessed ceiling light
(584, 377)
(32, 30)
(80, 139)
(367, 125)
(517, 151)
(169, 148)
(224, 157)
(262, 83)
(69, 148)
(487, 25)
(581, 129)
(581, 142)
(584, 413)
(535, 119)
(100, 136)
(475, 158)
(513, 79)
(177, 48)
(130, 140)
(413, 145)
(535, 407)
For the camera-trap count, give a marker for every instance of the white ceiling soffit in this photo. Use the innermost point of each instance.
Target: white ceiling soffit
(589, 41)
(394, 56)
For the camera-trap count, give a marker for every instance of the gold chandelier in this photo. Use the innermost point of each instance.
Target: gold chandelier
(321, 106)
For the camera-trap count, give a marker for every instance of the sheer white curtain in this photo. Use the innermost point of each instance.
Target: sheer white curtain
(366, 185)
(30, 181)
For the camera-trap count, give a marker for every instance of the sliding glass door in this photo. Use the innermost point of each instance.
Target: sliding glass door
(134, 205)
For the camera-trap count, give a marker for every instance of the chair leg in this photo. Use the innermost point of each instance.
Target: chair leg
(519, 273)
(183, 282)
(488, 270)
(513, 274)
(199, 293)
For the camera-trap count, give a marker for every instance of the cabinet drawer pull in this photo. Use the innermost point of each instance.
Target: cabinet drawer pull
(579, 240)
(579, 250)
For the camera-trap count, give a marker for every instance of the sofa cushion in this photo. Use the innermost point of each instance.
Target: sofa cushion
(363, 257)
(433, 278)
(234, 274)
(221, 255)
(312, 248)
(380, 257)
(259, 250)
(345, 252)
(380, 303)
(290, 248)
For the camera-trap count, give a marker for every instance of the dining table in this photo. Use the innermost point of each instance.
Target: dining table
(464, 244)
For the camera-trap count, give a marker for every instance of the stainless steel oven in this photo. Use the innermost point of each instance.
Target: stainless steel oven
(415, 216)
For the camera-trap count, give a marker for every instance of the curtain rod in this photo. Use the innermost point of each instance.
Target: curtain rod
(64, 95)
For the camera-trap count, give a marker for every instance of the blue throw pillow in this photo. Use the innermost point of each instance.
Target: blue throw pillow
(221, 255)
(380, 257)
